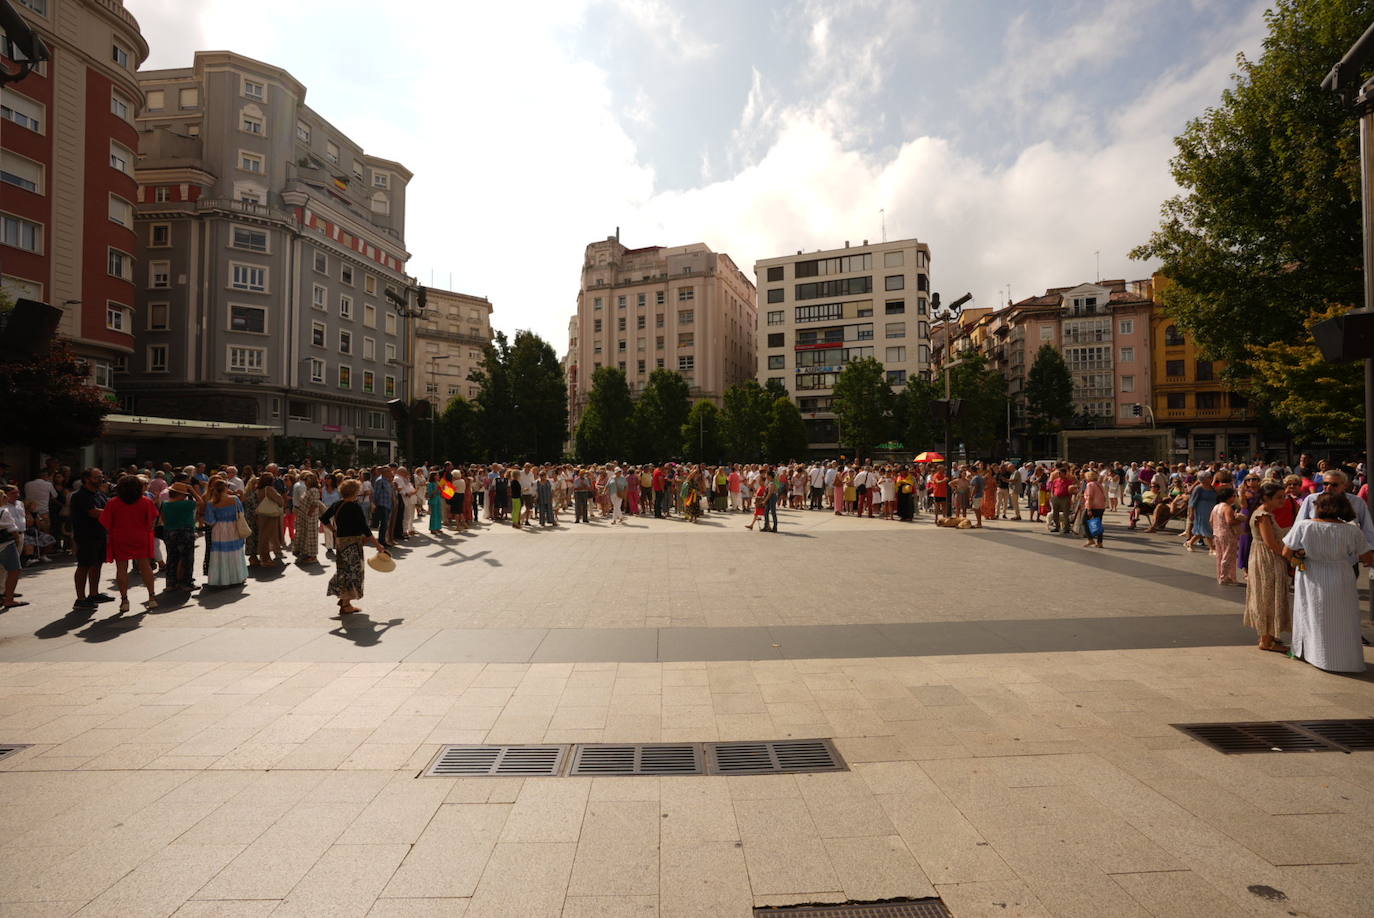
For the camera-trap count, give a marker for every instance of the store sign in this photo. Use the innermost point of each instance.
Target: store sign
(331, 428)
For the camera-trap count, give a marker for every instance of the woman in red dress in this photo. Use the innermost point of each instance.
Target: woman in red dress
(129, 521)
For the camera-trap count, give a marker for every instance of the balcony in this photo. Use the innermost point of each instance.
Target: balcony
(243, 207)
(459, 337)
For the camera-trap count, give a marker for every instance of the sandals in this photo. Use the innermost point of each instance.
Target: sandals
(1276, 647)
(124, 605)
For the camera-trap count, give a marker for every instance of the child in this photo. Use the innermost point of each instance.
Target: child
(760, 502)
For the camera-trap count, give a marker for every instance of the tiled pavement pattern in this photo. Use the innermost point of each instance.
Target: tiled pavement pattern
(1012, 784)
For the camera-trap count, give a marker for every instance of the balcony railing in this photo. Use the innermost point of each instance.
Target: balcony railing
(243, 207)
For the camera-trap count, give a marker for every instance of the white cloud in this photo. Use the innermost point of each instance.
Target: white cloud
(664, 27)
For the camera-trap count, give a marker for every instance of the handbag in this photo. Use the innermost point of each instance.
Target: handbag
(241, 523)
(1095, 527)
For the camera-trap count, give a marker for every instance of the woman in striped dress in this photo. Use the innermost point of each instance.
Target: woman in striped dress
(227, 566)
(1326, 606)
(306, 544)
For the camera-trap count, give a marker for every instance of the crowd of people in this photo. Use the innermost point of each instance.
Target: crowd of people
(1271, 528)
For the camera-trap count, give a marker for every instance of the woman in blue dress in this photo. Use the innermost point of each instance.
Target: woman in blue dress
(436, 503)
(228, 566)
(1200, 503)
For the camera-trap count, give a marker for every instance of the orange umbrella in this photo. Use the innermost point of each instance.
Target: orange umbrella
(929, 457)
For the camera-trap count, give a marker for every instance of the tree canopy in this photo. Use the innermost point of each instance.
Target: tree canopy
(982, 393)
(605, 427)
(863, 405)
(744, 418)
(1049, 391)
(785, 438)
(699, 434)
(659, 415)
(48, 404)
(521, 408)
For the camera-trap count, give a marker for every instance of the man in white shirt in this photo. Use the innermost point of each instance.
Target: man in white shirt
(1336, 481)
(828, 493)
(816, 479)
(10, 533)
(863, 491)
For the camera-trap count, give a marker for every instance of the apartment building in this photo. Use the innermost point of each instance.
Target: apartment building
(270, 249)
(67, 186)
(569, 363)
(450, 341)
(826, 308)
(682, 308)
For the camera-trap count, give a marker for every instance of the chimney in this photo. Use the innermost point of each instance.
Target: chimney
(865, 242)
(617, 234)
(846, 243)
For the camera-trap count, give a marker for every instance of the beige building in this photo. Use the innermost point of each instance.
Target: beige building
(825, 308)
(683, 308)
(450, 339)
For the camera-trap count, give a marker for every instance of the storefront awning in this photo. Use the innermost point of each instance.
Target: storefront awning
(130, 424)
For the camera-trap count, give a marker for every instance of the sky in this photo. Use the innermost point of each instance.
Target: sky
(1027, 141)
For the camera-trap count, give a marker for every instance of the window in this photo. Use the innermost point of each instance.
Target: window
(1128, 355)
(21, 234)
(1208, 401)
(776, 294)
(369, 315)
(658, 343)
(155, 99)
(369, 381)
(316, 370)
(159, 235)
(844, 265)
(896, 355)
(249, 277)
(775, 273)
(686, 339)
(303, 132)
(1047, 333)
(641, 321)
(160, 194)
(21, 110)
(777, 361)
(121, 265)
(158, 317)
(193, 130)
(121, 158)
(639, 299)
(120, 55)
(321, 263)
(894, 282)
(658, 320)
(620, 346)
(776, 317)
(319, 296)
(119, 106)
(250, 162)
(381, 179)
(376, 420)
(686, 363)
(923, 329)
(892, 259)
(159, 274)
(252, 240)
(686, 317)
(389, 386)
(1128, 384)
(346, 274)
(252, 124)
(776, 339)
(298, 409)
(157, 358)
(923, 283)
(331, 151)
(620, 302)
(921, 306)
(389, 351)
(346, 306)
(345, 377)
(248, 319)
(121, 211)
(686, 294)
(102, 375)
(659, 297)
(641, 344)
(1176, 401)
(116, 317)
(390, 323)
(894, 330)
(26, 174)
(247, 359)
(188, 98)
(319, 333)
(1172, 337)
(1204, 372)
(896, 377)
(1126, 327)
(620, 324)
(254, 90)
(345, 341)
(825, 313)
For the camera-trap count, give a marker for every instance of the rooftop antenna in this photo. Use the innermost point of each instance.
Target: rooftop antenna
(1098, 253)
(883, 212)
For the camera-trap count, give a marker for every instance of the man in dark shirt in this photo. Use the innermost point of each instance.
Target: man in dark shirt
(658, 484)
(86, 504)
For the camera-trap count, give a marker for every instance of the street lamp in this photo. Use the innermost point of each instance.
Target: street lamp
(948, 314)
(433, 361)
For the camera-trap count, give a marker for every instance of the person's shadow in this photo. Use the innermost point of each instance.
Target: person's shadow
(74, 619)
(362, 630)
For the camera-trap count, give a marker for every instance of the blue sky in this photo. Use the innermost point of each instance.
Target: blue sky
(1018, 138)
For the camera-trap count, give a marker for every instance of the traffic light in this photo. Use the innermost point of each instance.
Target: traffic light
(1137, 410)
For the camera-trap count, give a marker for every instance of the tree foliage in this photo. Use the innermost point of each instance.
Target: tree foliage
(605, 427)
(48, 404)
(863, 405)
(913, 416)
(1049, 391)
(744, 419)
(699, 435)
(1311, 398)
(775, 389)
(521, 406)
(982, 393)
(1267, 230)
(659, 415)
(785, 438)
(459, 432)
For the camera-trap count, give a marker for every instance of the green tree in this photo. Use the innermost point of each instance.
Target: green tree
(459, 431)
(743, 421)
(1049, 391)
(913, 416)
(659, 415)
(785, 437)
(1267, 230)
(48, 404)
(539, 399)
(775, 389)
(1311, 398)
(982, 393)
(495, 400)
(605, 427)
(863, 405)
(699, 434)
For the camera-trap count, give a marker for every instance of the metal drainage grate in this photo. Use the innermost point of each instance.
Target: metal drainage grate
(1350, 735)
(778, 757)
(497, 761)
(1268, 736)
(8, 750)
(637, 759)
(895, 908)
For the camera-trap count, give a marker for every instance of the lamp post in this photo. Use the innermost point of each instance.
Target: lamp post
(433, 421)
(948, 315)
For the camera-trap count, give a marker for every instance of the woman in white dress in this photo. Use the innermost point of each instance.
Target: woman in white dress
(1326, 606)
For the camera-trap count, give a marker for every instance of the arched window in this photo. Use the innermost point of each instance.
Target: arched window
(1172, 338)
(380, 205)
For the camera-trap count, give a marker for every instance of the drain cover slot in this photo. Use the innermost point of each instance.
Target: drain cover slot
(10, 749)
(497, 761)
(776, 757)
(1262, 736)
(1352, 735)
(612, 759)
(894, 908)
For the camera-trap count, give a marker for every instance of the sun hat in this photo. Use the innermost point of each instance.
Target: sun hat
(383, 564)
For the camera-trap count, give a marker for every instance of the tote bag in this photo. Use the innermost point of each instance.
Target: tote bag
(241, 524)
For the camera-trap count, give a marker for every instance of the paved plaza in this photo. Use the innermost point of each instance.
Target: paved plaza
(1003, 700)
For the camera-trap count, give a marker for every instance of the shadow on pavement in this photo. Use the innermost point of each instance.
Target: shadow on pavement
(74, 619)
(362, 630)
(107, 629)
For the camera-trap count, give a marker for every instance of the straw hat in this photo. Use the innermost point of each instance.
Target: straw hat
(383, 564)
(180, 487)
